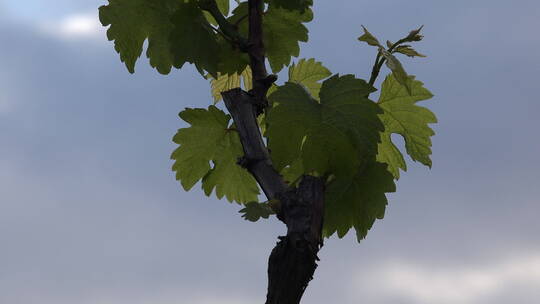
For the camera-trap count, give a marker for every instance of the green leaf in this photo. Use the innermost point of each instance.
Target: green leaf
(348, 108)
(193, 40)
(397, 69)
(223, 83)
(299, 5)
(223, 6)
(369, 38)
(283, 30)
(293, 172)
(403, 116)
(333, 136)
(177, 33)
(408, 50)
(210, 139)
(390, 154)
(414, 35)
(226, 82)
(227, 177)
(255, 211)
(240, 18)
(132, 22)
(308, 73)
(358, 201)
(231, 60)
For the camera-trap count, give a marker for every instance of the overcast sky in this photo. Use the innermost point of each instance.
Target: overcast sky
(90, 212)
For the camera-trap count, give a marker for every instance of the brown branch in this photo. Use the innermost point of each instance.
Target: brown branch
(292, 262)
(376, 69)
(226, 28)
(256, 158)
(261, 80)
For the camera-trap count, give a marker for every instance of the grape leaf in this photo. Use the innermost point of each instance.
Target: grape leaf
(177, 33)
(397, 69)
(283, 30)
(227, 177)
(254, 211)
(414, 35)
(408, 50)
(352, 111)
(223, 6)
(300, 5)
(404, 117)
(368, 38)
(210, 139)
(192, 39)
(334, 135)
(390, 154)
(308, 73)
(132, 22)
(356, 202)
(239, 18)
(231, 60)
(226, 82)
(293, 172)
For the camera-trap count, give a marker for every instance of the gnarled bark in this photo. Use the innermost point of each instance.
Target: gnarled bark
(292, 262)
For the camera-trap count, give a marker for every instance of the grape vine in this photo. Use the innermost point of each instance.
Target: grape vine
(316, 145)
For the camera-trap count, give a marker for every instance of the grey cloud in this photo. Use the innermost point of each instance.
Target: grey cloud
(90, 212)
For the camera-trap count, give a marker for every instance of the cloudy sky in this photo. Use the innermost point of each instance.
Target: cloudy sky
(90, 212)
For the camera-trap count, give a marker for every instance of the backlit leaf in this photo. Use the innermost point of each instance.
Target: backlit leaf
(403, 116)
(414, 35)
(223, 6)
(192, 39)
(177, 32)
(134, 21)
(309, 73)
(283, 30)
(254, 211)
(357, 201)
(209, 150)
(408, 50)
(397, 69)
(226, 82)
(331, 136)
(299, 5)
(368, 38)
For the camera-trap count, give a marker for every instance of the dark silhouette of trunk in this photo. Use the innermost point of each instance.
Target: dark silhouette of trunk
(292, 262)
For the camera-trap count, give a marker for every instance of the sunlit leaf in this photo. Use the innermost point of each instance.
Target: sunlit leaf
(309, 73)
(209, 150)
(403, 116)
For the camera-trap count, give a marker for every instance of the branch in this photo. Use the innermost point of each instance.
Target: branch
(256, 157)
(376, 69)
(261, 81)
(225, 26)
(292, 262)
